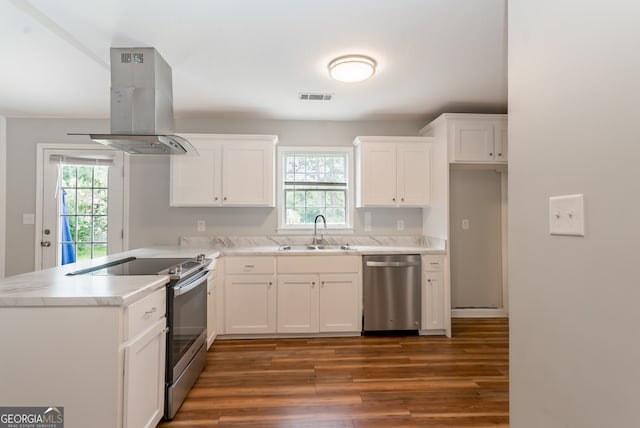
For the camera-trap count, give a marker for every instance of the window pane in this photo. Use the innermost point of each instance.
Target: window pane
(311, 214)
(335, 216)
(83, 252)
(100, 229)
(99, 250)
(335, 199)
(68, 176)
(295, 215)
(101, 176)
(85, 201)
(70, 199)
(84, 228)
(72, 227)
(314, 199)
(85, 176)
(100, 201)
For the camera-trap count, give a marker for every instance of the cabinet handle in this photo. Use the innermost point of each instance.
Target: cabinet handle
(322, 284)
(152, 310)
(225, 198)
(491, 154)
(402, 199)
(270, 283)
(249, 266)
(429, 281)
(209, 293)
(313, 284)
(215, 198)
(394, 199)
(500, 154)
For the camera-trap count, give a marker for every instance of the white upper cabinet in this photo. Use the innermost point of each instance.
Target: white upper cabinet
(393, 171)
(231, 170)
(471, 138)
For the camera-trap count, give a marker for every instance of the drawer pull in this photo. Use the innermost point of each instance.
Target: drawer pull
(149, 312)
(249, 266)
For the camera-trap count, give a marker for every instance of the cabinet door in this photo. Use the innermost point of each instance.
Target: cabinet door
(144, 367)
(473, 140)
(195, 180)
(339, 303)
(501, 141)
(433, 301)
(248, 174)
(211, 308)
(298, 303)
(250, 304)
(414, 174)
(378, 174)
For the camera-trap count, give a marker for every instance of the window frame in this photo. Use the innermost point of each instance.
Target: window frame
(282, 151)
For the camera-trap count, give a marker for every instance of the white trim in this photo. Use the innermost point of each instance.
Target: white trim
(3, 193)
(505, 240)
(40, 159)
(479, 313)
(281, 151)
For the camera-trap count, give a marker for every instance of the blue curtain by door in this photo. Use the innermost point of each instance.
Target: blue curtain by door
(68, 254)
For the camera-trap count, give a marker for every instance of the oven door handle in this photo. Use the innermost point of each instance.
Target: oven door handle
(180, 289)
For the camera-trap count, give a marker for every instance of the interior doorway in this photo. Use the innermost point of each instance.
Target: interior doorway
(80, 204)
(478, 241)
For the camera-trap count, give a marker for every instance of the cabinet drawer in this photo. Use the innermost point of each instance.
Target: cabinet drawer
(144, 313)
(432, 263)
(244, 265)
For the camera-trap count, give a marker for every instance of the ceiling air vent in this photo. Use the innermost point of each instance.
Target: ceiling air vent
(315, 97)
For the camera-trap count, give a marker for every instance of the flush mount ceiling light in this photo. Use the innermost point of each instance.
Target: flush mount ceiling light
(352, 68)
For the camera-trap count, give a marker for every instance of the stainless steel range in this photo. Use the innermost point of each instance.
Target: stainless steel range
(186, 317)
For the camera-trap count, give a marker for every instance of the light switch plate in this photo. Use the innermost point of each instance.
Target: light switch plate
(201, 226)
(566, 215)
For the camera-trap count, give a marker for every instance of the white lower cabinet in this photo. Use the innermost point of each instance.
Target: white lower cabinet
(250, 295)
(318, 294)
(298, 299)
(144, 369)
(104, 364)
(434, 317)
(339, 303)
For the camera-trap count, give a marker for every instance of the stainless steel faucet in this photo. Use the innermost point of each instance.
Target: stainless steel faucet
(317, 241)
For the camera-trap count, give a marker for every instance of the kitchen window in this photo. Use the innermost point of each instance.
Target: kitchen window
(314, 181)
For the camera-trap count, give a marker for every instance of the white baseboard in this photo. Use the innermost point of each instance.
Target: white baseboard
(479, 313)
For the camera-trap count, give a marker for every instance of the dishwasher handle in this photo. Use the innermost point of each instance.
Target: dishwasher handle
(391, 264)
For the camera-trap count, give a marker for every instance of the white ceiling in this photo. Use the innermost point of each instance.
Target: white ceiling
(251, 58)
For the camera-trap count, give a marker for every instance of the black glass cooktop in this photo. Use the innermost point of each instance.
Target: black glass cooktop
(141, 267)
(137, 266)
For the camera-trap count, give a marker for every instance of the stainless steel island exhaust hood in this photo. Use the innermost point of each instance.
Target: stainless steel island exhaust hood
(142, 105)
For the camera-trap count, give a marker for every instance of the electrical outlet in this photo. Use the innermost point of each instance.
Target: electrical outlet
(465, 224)
(201, 226)
(400, 225)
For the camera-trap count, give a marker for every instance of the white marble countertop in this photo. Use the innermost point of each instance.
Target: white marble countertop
(51, 287)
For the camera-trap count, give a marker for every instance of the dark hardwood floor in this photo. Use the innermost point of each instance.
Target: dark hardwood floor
(356, 382)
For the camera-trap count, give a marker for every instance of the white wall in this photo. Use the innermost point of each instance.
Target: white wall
(3, 189)
(574, 91)
(152, 221)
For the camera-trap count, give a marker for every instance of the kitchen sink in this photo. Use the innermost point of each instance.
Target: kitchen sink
(315, 247)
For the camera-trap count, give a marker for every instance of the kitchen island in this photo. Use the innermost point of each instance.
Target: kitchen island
(91, 345)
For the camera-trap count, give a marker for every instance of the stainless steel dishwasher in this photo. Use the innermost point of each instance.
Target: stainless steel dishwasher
(391, 292)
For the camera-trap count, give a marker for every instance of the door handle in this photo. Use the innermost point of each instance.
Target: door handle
(45, 243)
